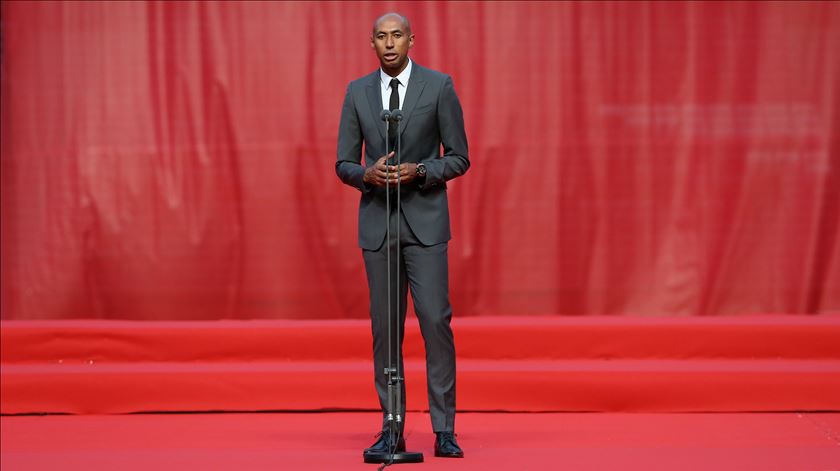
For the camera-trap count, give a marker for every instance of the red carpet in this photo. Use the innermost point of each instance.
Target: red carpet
(333, 441)
(766, 363)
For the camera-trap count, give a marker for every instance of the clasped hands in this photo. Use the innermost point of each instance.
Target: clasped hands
(381, 174)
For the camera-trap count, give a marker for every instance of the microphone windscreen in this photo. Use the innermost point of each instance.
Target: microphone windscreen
(385, 115)
(396, 115)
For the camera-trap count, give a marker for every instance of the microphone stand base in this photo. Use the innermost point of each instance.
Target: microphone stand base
(399, 457)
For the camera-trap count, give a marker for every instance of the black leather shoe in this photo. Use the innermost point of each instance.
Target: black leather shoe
(446, 446)
(383, 445)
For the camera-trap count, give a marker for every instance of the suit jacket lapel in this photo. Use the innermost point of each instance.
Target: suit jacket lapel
(374, 99)
(412, 94)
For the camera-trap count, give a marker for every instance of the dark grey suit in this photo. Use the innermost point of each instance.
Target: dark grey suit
(432, 117)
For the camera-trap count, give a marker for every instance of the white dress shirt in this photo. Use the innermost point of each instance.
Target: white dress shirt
(385, 85)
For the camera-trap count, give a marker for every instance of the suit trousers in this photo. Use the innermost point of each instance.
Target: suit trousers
(425, 270)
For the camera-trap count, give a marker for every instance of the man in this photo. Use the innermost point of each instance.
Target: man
(432, 117)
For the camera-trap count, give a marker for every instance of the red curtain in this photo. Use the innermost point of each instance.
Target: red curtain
(174, 160)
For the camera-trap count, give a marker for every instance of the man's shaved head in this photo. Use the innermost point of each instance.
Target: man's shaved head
(402, 19)
(391, 38)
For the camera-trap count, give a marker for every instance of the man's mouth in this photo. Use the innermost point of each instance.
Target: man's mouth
(390, 56)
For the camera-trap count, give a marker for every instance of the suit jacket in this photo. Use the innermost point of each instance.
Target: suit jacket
(432, 117)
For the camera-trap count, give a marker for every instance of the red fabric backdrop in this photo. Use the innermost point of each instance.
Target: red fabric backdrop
(175, 160)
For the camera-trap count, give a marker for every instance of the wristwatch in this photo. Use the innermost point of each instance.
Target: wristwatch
(421, 170)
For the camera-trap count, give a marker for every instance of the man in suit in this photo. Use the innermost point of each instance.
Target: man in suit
(432, 117)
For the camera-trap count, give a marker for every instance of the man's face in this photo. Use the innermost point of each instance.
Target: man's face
(392, 42)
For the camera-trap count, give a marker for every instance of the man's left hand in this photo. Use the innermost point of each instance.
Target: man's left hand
(408, 172)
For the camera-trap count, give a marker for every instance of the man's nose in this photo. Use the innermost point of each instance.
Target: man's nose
(389, 43)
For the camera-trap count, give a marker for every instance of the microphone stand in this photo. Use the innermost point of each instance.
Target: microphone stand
(394, 413)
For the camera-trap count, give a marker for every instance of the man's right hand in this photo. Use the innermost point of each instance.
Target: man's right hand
(380, 174)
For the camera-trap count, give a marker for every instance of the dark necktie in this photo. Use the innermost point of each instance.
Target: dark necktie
(393, 104)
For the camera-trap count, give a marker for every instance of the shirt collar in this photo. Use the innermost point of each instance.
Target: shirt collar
(402, 77)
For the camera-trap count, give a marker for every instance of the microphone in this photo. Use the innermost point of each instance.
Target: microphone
(396, 115)
(385, 115)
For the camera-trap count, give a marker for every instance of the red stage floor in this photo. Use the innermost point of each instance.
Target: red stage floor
(492, 441)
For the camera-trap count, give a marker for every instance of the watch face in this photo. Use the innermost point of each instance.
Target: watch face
(421, 169)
